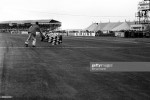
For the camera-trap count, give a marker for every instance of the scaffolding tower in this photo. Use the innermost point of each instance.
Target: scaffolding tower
(142, 16)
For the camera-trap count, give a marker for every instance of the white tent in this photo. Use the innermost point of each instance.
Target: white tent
(100, 26)
(123, 26)
(110, 26)
(92, 27)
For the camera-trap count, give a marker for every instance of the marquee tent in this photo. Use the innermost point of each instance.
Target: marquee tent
(110, 26)
(123, 26)
(100, 26)
(92, 27)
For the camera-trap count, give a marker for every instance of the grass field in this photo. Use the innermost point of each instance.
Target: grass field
(62, 72)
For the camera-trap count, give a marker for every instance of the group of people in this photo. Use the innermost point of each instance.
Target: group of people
(51, 37)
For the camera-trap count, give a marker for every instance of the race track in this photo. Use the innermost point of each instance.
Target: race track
(62, 72)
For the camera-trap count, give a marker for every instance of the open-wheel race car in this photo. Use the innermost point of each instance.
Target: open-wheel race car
(52, 37)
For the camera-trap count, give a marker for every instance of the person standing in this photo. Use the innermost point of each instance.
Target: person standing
(32, 34)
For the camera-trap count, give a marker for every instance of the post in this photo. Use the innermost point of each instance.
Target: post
(149, 10)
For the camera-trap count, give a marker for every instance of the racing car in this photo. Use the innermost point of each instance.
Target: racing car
(52, 37)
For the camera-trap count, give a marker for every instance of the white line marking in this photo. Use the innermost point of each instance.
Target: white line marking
(116, 41)
(71, 47)
(6, 97)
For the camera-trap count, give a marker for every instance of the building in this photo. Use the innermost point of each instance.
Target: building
(23, 25)
(138, 27)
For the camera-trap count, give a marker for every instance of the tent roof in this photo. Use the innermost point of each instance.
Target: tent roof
(123, 26)
(110, 26)
(100, 26)
(130, 23)
(92, 27)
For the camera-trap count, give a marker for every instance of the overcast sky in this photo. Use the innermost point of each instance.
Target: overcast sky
(74, 14)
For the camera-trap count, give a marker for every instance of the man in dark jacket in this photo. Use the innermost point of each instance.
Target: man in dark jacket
(32, 34)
